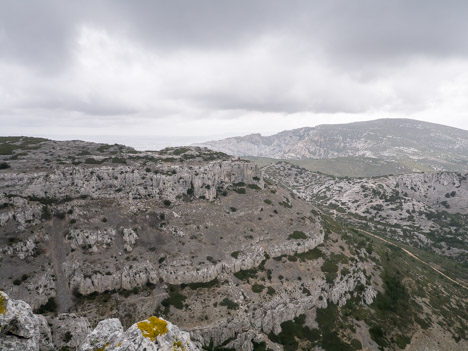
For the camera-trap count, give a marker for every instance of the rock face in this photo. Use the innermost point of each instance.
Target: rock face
(20, 329)
(435, 146)
(152, 334)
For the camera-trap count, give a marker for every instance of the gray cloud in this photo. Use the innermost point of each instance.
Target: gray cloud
(41, 32)
(193, 59)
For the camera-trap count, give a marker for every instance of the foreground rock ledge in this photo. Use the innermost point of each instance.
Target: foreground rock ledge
(21, 329)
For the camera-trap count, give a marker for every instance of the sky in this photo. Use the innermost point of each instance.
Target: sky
(155, 73)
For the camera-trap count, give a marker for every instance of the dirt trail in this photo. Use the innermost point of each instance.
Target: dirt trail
(416, 258)
(57, 254)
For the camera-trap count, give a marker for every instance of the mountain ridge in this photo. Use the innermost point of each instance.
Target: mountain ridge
(416, 145)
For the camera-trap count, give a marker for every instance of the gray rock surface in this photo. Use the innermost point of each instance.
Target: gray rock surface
(20, 329)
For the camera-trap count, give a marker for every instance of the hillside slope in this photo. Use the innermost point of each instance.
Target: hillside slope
(92, 232)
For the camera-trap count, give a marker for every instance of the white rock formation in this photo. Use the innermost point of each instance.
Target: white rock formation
(152, 334)
(20, 328)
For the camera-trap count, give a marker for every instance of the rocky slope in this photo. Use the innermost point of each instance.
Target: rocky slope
(428, 210)
(103, 231)
(101, 236)
(400, 144)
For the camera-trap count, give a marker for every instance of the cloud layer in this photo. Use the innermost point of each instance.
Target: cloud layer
(224, 68)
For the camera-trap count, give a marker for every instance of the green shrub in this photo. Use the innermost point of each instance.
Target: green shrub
(292, 332)
(120, 160)
(180, 151)
(210, 284)
(4, 165)
(46, 215)
(356, 344)
(49, 306)
(246, 274)
(230, 305)
(235, 254)
(313, 254)
(258, 288)
(377, 334)
(93, 161)
(267, 201)
(254, 187)
(175, 299)
(297, 235)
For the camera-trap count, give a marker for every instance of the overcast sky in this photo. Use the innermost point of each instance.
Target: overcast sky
(186, 71)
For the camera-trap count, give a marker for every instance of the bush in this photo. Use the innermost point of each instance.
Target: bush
(246, 274)
(235, 254)
(119, 160)
(297, 235)
(292, 331)
(175, 299)
(254, 187)
(167, 203)
(267, 201)
(356, 344)
(285, 204)
(210, 284)
(230, 305)
(93, 161)
(46, 215)
(240, 190)
(49, 306)
(377, 334)
(4, 165)
(258, 288)
(313, 254)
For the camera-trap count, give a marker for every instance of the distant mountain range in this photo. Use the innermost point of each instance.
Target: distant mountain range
(396, 145)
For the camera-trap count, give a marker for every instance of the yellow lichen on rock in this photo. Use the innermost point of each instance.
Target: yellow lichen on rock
(3, 303)
(178, 346)
(103, 348)
(153, 327)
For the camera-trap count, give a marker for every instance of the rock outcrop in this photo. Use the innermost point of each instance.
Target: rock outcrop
(165, 182)
(21, 329)
(152, 334)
